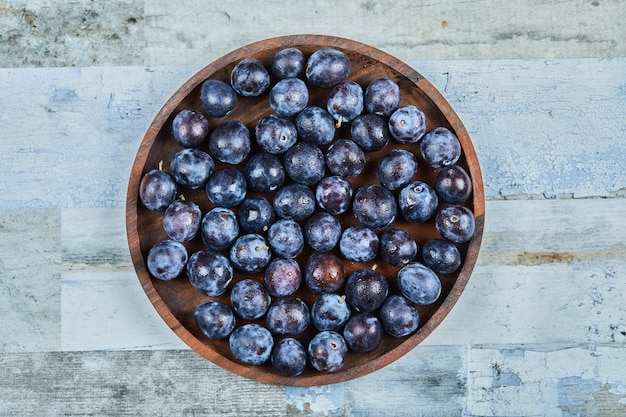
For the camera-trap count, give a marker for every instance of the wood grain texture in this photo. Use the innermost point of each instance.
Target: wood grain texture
(139, 383)
(570, 272)
(30, 280)
(441, 29)
(152, 32)
(545, 303)
(525, 149)
(43, 33)
(547, 381)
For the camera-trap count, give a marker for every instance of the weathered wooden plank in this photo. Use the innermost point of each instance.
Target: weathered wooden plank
(533, 123)
(543, 276)
(103, 306)
(524, 380)
(71, 135)
(108, 310)
(429, 381)
(78, 33)
(30, 280)
(139, 383)
(443, 29)
(548, 272)
(74, 132)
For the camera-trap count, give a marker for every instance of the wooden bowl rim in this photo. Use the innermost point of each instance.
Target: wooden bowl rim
(252, 372)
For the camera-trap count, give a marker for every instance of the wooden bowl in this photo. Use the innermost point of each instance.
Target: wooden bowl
(176, 300)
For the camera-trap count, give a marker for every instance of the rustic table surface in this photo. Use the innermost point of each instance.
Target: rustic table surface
(541, 87)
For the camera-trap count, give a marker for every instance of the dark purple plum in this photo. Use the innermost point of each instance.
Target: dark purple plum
(289, 96)
(407, 124)
(209, 272)
(366, 290)
(215, 319)
(345, 158)
(441, 255)
(191, 168)
(370, 132)
(294, 201)
(419, 284)
(264, 172)
(363, 333)
(217, 98)
(322, 231)
(396, 169)
(324, 273)
(249, 78)
(282, 277)
(251, 344)
(327, 67)
(219, 228)
(157, 190)
(230, 142)
(181, 220)
(285, 238)
(397, 247)
(398, 316)
(382, 96)
(250, 253)
(289, 357)
(374, 206)
(287, 63)
(453, 184)
(275, 133)
(304, 163)
(250, 299)
(190, 128)
(327, 351)
(359, 244)
(440, 147)
(417, 202)
(256, 214)
(226, 187)
(167, 260)
(315, 125)
(455, 223)
(288, 316)
(334, 194)
(345, 101)
(330, 312)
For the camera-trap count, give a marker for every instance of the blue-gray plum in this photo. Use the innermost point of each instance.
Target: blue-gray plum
(327, 351)
(366, 290)
(374, 206)
(398, 316)
(419, 283)
(289, 357)
(209, 272)
(330, 312)
(324, 273)
(190, 128)
(251, 344)
(327, 67)
(167, 259)
(250, 299)
(455, 223)
(440, 147)
(249, 78)
(215, 319)
(157, 190)
(363, 333)
(181, 220)
(407, 124)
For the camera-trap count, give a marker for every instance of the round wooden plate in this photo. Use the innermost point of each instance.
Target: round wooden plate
(176, 300)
